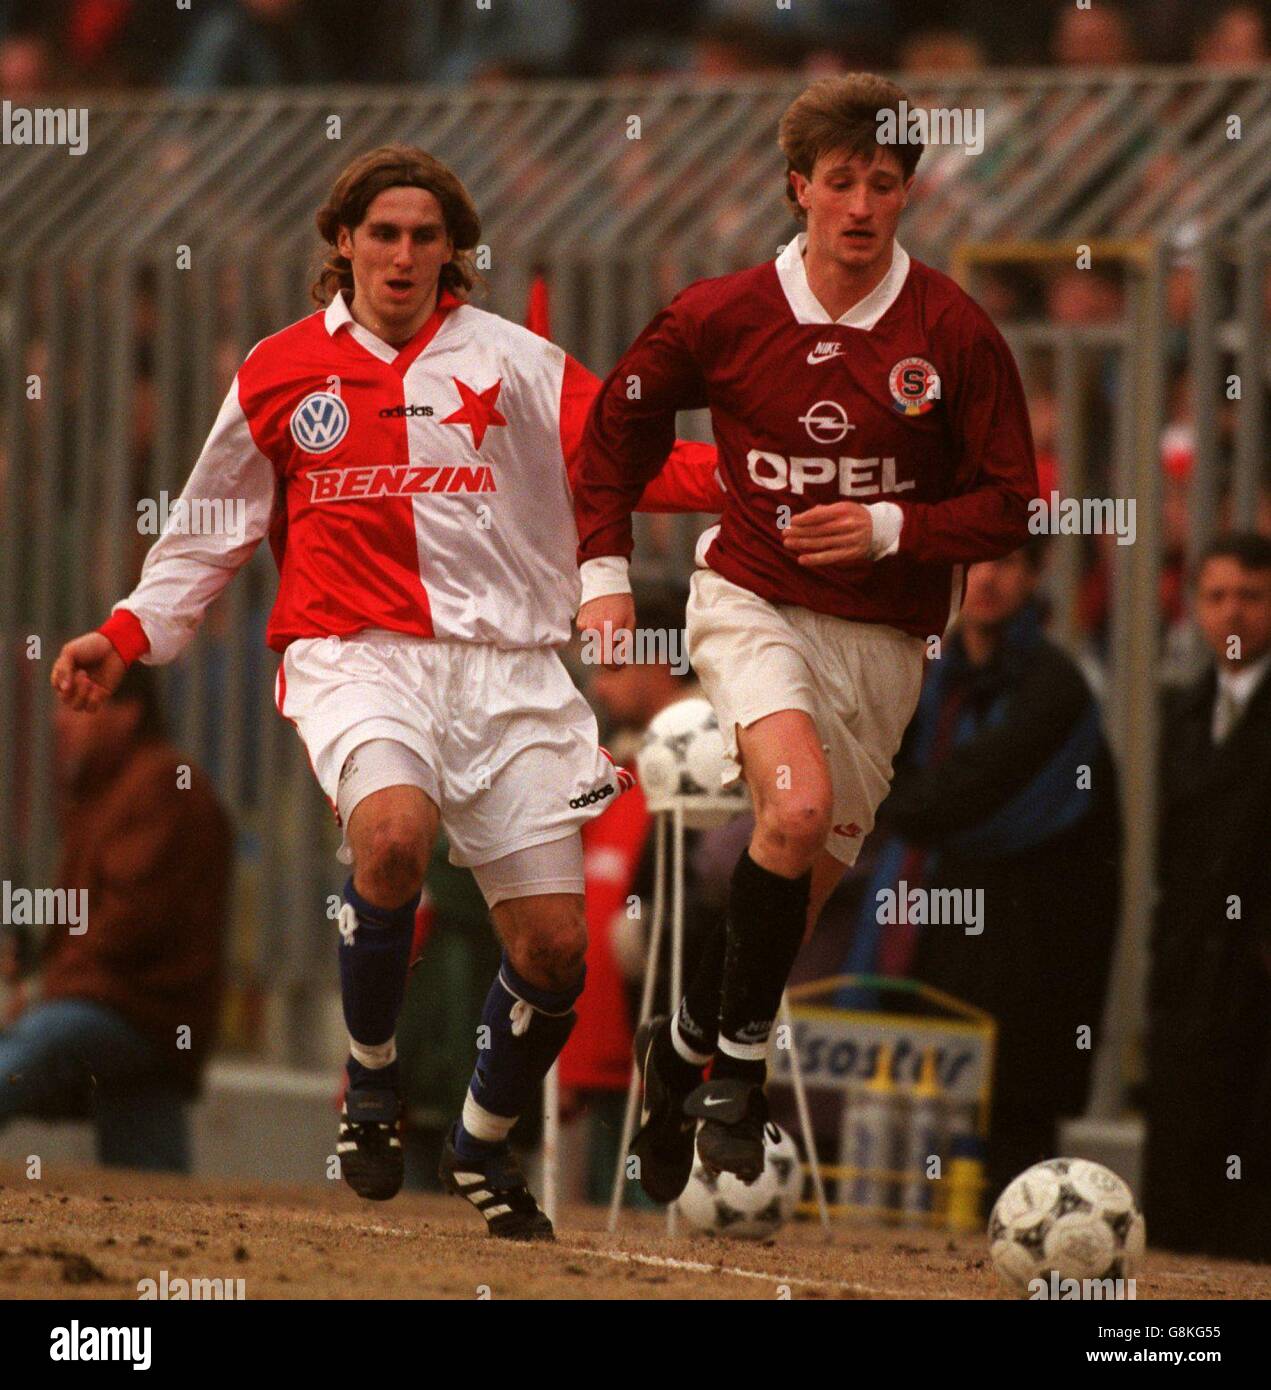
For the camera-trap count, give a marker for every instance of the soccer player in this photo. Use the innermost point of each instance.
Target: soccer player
(873, 440)
(410, 458)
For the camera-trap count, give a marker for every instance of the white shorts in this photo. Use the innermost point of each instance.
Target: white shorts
(510, 746)
(858, 682)
(553, 867)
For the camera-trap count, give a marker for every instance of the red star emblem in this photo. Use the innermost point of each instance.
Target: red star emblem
(477, 410)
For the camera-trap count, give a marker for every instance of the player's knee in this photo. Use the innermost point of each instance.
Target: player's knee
(794, 826)
(392, 862)
(550, 950)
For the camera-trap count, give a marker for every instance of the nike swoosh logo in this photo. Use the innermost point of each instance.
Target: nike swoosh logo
(814, 356)
(716, 1100)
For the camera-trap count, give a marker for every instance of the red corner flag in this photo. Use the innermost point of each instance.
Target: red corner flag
(536, 319)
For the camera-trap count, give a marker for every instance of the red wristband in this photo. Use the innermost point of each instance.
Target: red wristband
(126, 635)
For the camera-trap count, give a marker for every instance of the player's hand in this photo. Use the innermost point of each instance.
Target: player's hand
(833, 534)
(607, 616)
(87, 671)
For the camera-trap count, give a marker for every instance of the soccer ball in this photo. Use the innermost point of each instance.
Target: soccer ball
(724, 1206)
(1068, 1217)
(681, 761)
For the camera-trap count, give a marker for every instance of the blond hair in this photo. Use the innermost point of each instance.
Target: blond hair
(367, 176)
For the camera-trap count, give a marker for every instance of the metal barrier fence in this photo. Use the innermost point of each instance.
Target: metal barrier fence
(134, 279)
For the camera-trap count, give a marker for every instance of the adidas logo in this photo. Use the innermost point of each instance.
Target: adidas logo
(591, 798)
(823, 352)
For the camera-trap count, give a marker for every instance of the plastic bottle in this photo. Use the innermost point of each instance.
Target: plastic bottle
(871, 1139)
(924, 1134)
(966, 1184)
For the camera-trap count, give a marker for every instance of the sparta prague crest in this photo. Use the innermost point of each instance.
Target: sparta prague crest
(914, 385)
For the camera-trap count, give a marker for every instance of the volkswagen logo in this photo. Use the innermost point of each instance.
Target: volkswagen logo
(319, 422)
(826, 422)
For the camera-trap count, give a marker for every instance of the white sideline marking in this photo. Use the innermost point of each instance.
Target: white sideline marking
(700, 1267)
(624, 1257)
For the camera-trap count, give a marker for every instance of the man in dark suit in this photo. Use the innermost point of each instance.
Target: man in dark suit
(1005, 785)
(1208, 1176)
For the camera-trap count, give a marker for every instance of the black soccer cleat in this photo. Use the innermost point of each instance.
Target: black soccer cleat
(733, 1115)
(664, 1142)
(370, 1143)
(497, 1188)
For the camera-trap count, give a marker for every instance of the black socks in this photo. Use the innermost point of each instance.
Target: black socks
(767, 916)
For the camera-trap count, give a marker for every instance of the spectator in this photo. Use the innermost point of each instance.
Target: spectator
(1237, 38)
(734, 47)
(1043, 416)
(25, 67)
(1208, 1172)
(864, 28)
(1005, 784)
(255, 43)
(1081, 297)
(103, 43)
(1094, 604)
(941, 51)
(1099, 37)
(511, 40)
(129, 1006)
(636, 38)
(1010, 34)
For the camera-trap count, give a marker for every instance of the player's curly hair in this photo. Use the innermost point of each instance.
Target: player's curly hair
(367, 176)
(840, 113)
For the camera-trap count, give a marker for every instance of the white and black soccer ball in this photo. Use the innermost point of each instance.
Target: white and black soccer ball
(681, 761)
(723, 1205)
(1068, 1217)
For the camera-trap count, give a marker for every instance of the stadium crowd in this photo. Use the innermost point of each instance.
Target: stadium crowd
(216, 44)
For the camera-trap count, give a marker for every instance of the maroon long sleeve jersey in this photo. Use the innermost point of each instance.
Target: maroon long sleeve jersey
(912, 398)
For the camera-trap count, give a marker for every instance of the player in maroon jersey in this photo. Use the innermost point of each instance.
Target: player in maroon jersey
(873, 441)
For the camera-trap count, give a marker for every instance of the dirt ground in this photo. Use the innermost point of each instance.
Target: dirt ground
(96, 1234)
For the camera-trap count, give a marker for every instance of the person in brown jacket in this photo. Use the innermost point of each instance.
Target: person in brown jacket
(131, 984)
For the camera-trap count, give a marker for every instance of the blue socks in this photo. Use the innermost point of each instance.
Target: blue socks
(523, 1029)
(374, 956)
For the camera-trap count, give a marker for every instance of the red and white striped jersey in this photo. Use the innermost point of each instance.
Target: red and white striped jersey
(425, 489)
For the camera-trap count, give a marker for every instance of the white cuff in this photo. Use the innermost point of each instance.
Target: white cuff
(607, 574)
(886, 518)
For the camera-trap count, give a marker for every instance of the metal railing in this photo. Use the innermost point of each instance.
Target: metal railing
(134, 279)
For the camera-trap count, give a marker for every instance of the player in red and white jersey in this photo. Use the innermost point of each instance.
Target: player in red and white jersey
(873, 441)
(411, 458)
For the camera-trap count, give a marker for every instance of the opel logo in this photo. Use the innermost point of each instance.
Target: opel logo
(826, 422)
(319, 422)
